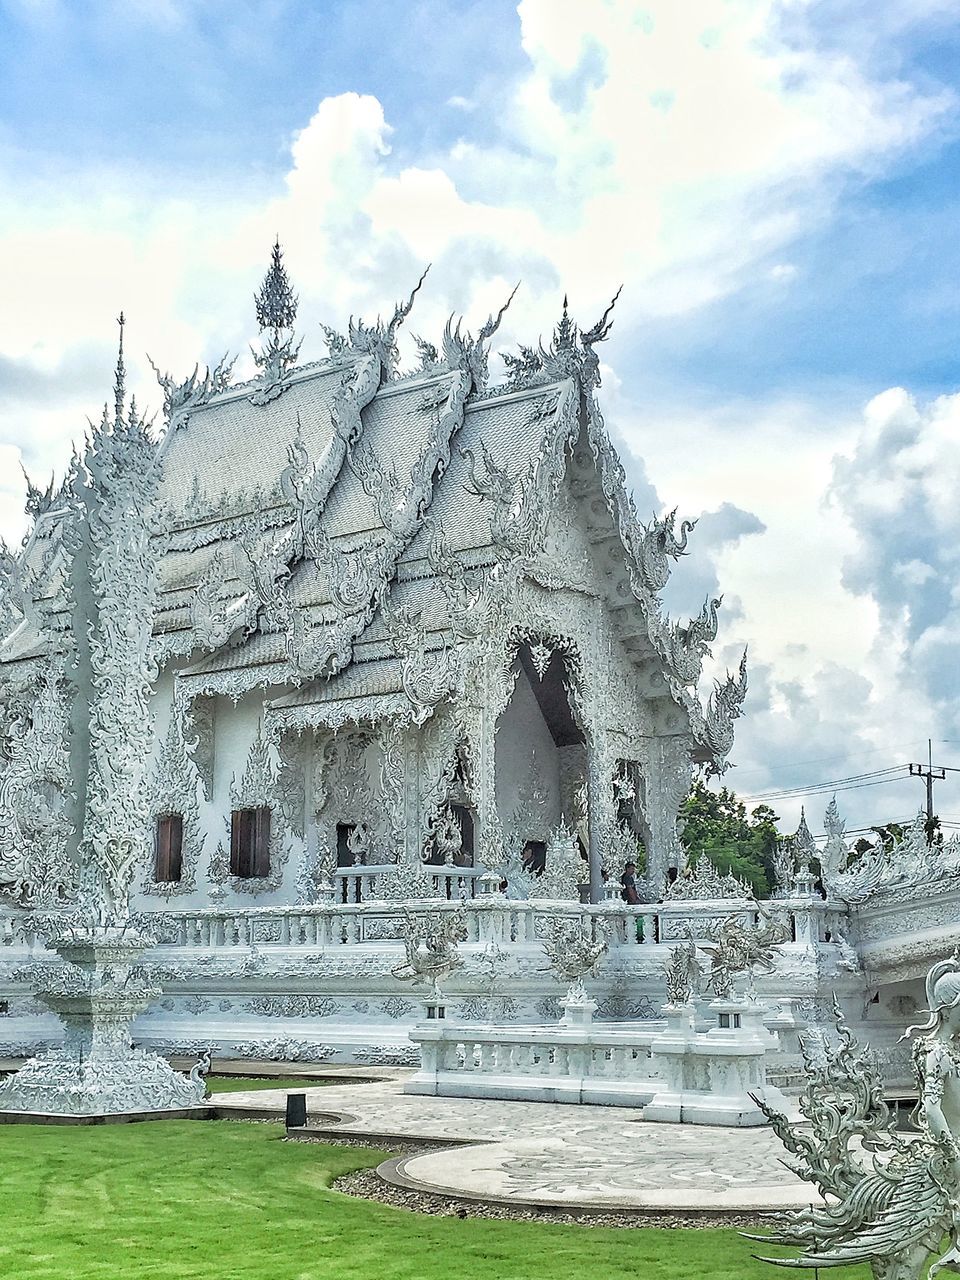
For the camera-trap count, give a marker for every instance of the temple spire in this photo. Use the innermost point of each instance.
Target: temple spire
(276, 305)
(276, 302)
(120, 378)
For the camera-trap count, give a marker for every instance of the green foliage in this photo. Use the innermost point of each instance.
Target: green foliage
(716, 824)
(223, 1200)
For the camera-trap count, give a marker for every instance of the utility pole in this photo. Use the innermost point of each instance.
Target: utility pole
(929, 774)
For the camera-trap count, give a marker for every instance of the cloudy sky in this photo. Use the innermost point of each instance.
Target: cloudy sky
(776, 184)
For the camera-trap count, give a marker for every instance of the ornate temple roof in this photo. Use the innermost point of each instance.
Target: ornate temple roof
(302, 513)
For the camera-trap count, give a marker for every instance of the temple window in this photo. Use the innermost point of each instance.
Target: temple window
(250, 843)
(168, 848)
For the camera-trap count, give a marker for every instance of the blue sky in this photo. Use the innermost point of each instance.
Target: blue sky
(776, 184)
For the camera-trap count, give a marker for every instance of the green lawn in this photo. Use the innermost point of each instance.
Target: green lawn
(238, 1084)
(221, 1200)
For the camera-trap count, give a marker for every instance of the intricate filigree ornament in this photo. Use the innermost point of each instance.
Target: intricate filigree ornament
(564, 868)
(256, 789)
(892, 1196)
(112, 576)
(573, 954)
(35, 826)
(683, 974)
(702, 882)
(174, 791)
(276, 312)
(744, 949)
(430, 946)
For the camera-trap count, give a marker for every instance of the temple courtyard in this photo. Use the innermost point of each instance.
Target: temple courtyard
(512, 1190)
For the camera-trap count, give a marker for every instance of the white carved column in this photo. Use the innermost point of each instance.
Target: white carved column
(667, 773)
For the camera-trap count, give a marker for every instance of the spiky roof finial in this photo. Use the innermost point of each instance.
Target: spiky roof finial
(276, 302)
(120, 377)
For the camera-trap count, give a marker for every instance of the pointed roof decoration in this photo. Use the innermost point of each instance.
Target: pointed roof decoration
(570, 353)
(276, 305)
(275, 300)
(804, 842)
(120, 379)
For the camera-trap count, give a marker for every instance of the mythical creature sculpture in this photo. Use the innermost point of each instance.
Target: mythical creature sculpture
(684, 647)
(833, 855)
(784, 864)
(430, 943)
(572, 954)
(744, 949)
(892, 1197)
(659, 545)
(725, 706)
(683, 973)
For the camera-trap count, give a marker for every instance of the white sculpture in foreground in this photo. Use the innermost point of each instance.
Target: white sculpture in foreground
(892, 1196)
(97, 993)
(109, 578)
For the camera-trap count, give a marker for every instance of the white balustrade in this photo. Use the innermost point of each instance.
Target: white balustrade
(606, 1065)
(487, 919)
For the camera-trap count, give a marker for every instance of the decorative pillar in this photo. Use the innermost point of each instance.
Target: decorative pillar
(667, 773)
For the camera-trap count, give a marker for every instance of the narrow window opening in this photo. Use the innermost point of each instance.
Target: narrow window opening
(168, 848)
(250, 843)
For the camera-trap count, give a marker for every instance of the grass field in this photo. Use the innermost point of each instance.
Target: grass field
(238, 1084)
(222, 1200)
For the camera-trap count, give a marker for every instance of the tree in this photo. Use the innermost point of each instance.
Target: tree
(716, 824)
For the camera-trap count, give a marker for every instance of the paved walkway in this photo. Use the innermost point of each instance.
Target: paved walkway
(563, 1156)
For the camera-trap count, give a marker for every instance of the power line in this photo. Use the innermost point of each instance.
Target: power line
(859, 755)
(889, 774)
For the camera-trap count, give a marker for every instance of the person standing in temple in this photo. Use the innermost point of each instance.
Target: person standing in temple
(628, 882)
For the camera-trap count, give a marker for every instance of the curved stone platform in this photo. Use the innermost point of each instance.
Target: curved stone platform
(550, 1154)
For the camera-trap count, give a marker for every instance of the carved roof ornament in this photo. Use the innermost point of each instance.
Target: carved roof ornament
(659, 545)
(40, 501)
(378, 340)
(276, 306)
(275, 301)
(724, 707)
(684, 646)
(570, 353)
(180, 399)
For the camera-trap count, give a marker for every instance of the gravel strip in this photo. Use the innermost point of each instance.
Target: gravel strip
(368, 1185)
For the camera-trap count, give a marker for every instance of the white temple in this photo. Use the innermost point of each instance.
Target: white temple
(384, 639)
